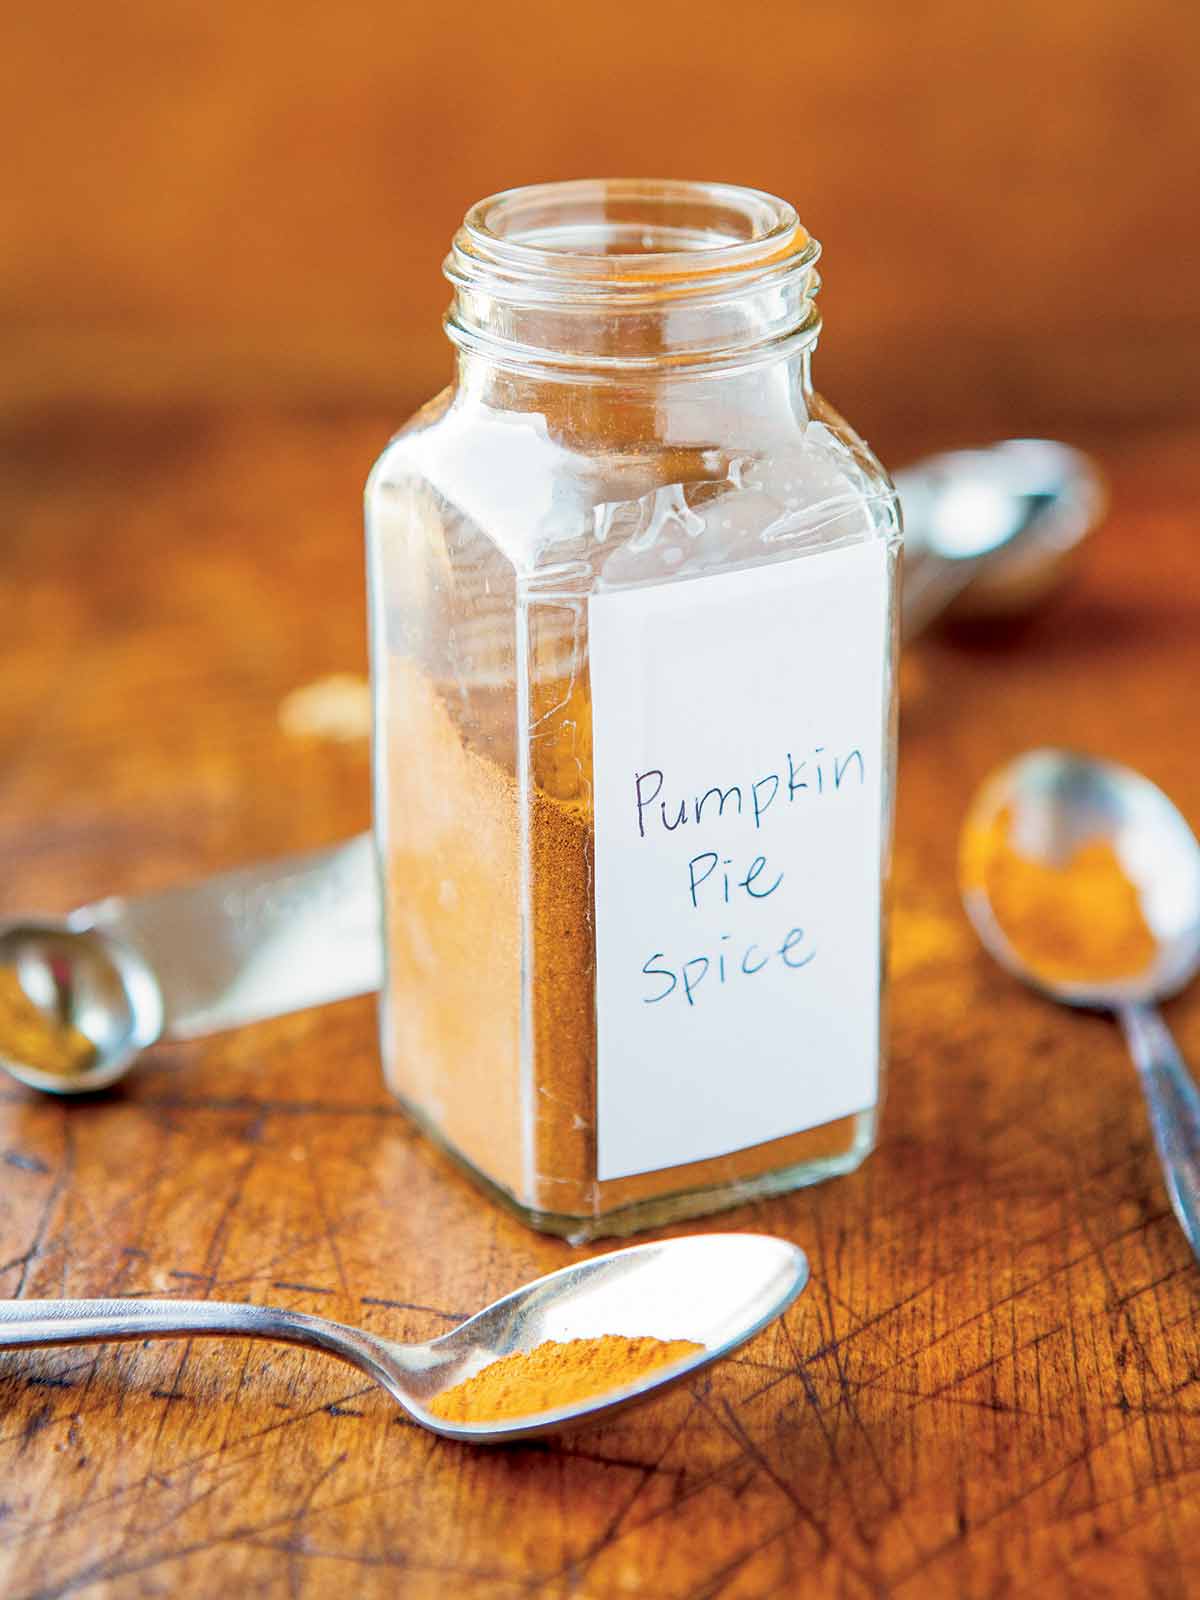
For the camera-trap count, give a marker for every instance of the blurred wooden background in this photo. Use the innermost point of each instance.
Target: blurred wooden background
(226, 203)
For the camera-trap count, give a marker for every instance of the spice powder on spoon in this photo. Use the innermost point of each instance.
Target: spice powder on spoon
(1078, 920)
(556, 1374)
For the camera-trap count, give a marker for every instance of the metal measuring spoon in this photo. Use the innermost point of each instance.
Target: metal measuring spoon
(82, 996)
(85, 994)
(716, 1290)
(1002, 520)
(1046, 806)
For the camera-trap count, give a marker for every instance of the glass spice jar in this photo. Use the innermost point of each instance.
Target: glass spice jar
(633, 627)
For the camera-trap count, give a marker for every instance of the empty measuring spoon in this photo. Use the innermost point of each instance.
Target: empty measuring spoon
(991, 529)
(1122, 838)
(714, 1290)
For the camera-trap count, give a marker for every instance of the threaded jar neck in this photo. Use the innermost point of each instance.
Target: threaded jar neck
(602, 278)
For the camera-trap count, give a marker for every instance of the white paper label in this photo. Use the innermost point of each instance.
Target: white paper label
(738, 744)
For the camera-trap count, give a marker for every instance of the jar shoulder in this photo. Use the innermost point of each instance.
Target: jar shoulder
(401, 456)
(842, 440)
(540, 496)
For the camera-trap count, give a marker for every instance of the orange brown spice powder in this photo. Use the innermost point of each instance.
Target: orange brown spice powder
(28, 1034)
(556, 1374)
(452, 1027)
(1079, 921)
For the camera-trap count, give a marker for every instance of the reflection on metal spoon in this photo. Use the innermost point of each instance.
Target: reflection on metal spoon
(989, 531)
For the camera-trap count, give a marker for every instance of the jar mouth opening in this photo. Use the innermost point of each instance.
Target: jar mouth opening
(633, 233)
(612, 277)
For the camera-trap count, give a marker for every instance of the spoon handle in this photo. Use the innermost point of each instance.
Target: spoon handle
(29, 1324)
(263, 940)
(1174, 1104)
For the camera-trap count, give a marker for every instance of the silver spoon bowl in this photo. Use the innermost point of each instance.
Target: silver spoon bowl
(715, 1290)
(1046, 806)
(86, 981)
(989, 532)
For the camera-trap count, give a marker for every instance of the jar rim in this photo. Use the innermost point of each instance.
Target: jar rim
(604, 278)
(628, 237)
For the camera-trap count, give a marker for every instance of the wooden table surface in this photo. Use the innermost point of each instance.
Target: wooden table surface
(992, 1385)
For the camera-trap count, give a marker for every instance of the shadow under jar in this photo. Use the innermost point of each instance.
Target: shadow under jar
(633, 628)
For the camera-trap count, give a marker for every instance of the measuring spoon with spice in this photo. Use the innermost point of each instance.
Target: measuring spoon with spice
(565, 1349)
(1083, 879)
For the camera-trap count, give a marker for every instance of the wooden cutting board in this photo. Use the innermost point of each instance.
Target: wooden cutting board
(991, 1385)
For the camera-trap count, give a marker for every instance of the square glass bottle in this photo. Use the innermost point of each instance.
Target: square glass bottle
(633, 619)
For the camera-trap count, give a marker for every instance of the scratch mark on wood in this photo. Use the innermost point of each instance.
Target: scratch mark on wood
(25, 1163)
(58, 1188)
(410, 1305)
(384, 1110)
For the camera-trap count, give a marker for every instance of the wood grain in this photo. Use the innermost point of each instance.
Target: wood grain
(991, 1387)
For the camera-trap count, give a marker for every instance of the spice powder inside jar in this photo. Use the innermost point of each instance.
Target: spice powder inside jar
(452, 1017)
